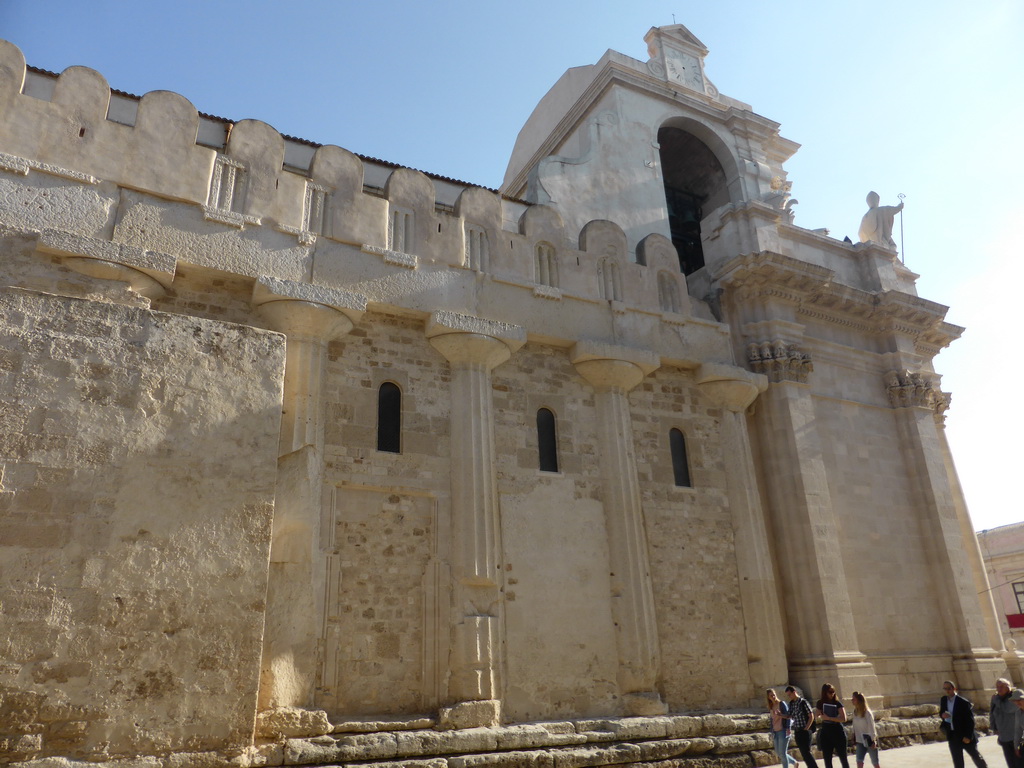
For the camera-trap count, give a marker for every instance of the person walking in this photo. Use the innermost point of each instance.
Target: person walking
(864, 735)
(1002, 722)
(801, 718)
(832, 713)
(957, 715)
(778, 713)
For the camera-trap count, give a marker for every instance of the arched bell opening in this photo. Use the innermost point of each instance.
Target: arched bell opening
(695, 184)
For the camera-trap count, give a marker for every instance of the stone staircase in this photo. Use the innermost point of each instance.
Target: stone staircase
(674, 741)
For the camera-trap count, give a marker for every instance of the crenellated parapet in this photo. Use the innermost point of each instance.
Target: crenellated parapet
(263, 203)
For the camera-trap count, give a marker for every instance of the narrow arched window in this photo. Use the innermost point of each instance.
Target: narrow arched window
(545, 266)
(608, 280)
(680, 465)
(547, 442)
(389, 418)
(668, 293)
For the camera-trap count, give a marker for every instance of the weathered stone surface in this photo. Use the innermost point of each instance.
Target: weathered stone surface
(682, 726)
(384, 724)
(700, 746)
(715, 725)
(511, 759)
(641, 727)
(151, 531)
(742, 743)
(290, 722)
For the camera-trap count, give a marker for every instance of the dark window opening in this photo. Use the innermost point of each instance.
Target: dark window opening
(1018, 592)
(389, 418)
(684, 215)
(547, 443)
(680, 466)
(695, 185)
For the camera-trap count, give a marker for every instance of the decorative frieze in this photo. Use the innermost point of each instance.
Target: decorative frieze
(907, 389)
(779, 361)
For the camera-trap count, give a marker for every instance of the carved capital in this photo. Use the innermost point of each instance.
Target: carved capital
(779, 360)
(730, 387)
(303, 310)
(473, 341)
(139, 282)
(907, 389)
(305, 320)
(467, 349)
(609, 367)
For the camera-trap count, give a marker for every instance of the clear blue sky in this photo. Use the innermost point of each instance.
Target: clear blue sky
(923, 97)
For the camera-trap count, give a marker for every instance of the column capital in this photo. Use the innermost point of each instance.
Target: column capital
(920, 389)
(779, 360)
(729, 386)
(468, 340)
(607, 366)
(306, 310)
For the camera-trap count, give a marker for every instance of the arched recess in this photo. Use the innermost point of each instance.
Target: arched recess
(697, 171)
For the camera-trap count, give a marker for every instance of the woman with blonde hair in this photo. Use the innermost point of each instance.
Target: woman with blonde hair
(778, 716)
(864, 730)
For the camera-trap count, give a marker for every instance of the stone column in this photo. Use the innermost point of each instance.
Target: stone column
(915, 398)
(613, 372)
(473, 348)
(735, 389)
(310, 317)
(822, 635)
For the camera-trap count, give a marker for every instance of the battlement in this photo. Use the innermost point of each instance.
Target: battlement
(246, 175)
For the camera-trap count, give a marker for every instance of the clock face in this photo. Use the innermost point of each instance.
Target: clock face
(683, 68)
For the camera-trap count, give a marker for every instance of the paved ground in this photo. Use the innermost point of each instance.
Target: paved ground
(934, 755)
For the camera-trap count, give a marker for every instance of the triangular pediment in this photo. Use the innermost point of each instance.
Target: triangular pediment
(678, 36)
(678, 56)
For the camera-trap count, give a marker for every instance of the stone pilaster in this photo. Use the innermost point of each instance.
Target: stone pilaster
(310, 317)
(974, 635)
(613, 372)
(735, 389)
(822, 635)
(473, 348)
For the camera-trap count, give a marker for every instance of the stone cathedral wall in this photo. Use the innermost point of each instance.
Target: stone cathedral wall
(138, 452)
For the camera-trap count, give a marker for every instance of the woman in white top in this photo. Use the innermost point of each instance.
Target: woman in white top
(864, 730)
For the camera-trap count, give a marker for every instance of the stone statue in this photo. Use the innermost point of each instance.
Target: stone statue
(876, 226)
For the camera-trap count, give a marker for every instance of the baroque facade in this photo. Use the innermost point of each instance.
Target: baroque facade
(290, 431)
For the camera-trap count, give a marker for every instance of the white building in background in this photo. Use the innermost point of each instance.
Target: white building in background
(1003, 551)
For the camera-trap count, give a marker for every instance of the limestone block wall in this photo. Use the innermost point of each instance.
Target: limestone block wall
(138, 454)
(385, 525)
(560, 636)
(867, 475)
(693, 552)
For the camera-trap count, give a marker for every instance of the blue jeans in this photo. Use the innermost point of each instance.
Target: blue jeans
(862, 750)
(781, 739)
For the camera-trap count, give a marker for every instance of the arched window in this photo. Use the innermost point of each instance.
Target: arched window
(477, 251)
(668, 293)
(389, 418)
(608, 280)
(547, 442)
(695, 185)
(680, 465)
(546, 272)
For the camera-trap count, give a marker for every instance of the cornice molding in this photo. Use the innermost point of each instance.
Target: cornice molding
(813, 292)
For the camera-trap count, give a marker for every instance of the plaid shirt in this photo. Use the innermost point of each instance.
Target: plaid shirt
(800, 712)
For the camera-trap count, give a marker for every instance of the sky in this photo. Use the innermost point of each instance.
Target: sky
(922, 97)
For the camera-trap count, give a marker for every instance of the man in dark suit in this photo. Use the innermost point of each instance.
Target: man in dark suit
(957, 715)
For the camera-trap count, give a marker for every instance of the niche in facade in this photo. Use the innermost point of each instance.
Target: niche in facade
(695, 185)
